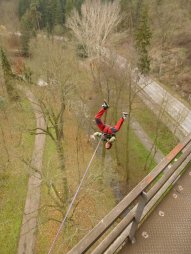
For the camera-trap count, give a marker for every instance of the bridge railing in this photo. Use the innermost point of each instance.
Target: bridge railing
(136, 205)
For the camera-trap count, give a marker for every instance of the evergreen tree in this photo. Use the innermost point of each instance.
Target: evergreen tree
(47, 13)
(78, 4)
(23, 6)
(25, 40)
(5, 64)
(70, 4)
(142, 37)
(59, 13)
(50, 16)
(9, 77)
(42, 10)
(26, 30)
(30, 22)
(35, 13)
(138, 11)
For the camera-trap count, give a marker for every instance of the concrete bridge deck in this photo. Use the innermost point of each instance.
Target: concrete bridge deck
(168, 229)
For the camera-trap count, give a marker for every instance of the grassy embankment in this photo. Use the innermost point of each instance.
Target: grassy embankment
(157, 131)
(16, 145)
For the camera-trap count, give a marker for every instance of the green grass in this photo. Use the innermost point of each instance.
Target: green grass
(137, 158)
(14, 175)
(12, 203)
(139, 151)
(166, 140)
(49, 171)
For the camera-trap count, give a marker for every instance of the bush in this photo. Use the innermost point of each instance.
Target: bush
(81, 51)
(3, 102)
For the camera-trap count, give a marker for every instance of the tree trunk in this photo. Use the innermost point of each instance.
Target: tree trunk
(127, 152)
(60, 152)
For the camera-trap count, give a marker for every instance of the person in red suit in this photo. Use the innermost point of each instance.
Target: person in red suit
(107, 132)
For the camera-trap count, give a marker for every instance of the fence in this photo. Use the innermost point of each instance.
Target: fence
(136, 205)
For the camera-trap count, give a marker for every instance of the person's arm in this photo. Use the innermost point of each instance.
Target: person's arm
(96, 134)
(112, 139)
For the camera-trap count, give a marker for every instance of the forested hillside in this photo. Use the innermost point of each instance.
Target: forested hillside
(169, 50)
(54, 76)
(169, 25)
(47, 14)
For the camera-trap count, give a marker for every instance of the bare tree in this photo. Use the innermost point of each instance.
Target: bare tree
(96, 25)
(118, 82)
(55, 68)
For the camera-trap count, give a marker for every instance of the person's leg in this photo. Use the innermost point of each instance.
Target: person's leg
(118, 125)
(98, 120)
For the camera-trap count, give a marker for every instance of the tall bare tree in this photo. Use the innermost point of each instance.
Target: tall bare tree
(55, 67)
(96, 25)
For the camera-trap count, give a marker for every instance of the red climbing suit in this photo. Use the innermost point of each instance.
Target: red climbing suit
(106, 129)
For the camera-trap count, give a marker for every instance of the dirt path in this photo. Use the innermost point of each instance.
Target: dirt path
(29, 224)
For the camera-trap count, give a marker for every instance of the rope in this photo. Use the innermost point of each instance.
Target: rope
(72, 202)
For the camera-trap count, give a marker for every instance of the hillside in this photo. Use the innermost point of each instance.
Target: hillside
(170, 27)
(169, 50)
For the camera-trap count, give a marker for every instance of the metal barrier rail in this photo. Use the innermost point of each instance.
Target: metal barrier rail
(147, 194)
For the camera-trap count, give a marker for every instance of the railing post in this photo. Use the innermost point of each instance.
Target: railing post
(141, 205)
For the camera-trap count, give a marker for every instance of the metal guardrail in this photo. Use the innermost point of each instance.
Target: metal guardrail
(138, 203)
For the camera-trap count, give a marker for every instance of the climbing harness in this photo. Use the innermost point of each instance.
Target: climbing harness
(73, 199)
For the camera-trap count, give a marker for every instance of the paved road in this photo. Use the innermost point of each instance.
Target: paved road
(167, 230)
(177, 110)
(29, 224)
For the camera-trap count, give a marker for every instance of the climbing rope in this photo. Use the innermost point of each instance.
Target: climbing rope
(73, 199)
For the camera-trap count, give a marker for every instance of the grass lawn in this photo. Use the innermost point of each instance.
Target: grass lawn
(16, 145)
(137, 154)
(12, 203)
(166, 140)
